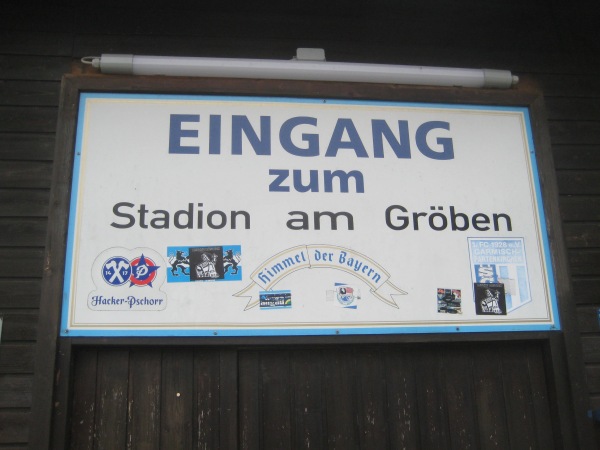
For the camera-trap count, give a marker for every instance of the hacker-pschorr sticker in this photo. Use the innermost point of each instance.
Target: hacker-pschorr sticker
(502, 261)
(214, 263)
(128, 280)
(490, 299)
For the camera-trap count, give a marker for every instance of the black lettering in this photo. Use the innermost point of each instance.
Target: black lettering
(160, 222)
(118, 213)
(333, 217)
(300, 223)
(399, 222)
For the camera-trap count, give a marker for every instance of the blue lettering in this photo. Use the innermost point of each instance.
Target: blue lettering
(401, 146)
(313, 181)
(214, 134)
(446, 143)
(343, 177)
(354, 142)
(176, 133)
(281, 176)
(299, 136)
(312, 140)
(241, 125)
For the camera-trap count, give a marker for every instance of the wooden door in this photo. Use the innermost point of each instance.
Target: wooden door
(454, 396)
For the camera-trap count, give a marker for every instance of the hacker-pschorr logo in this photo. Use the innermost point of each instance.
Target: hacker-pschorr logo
(128, 280)
(141, 271)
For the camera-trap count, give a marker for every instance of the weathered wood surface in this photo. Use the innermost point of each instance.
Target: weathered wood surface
(16, 358)
(85, 391)
(576, 157)
(585, 262)
(26, 93)
(144, 400)
(579, 182)
(24, 203)
(25, 174)
(23, 232)
(27, 147)
(580, 208)
(19, 326)
(19, 119)
(15, 391)
(34, 67)
(422, 396)
(14, 426)
(20, 293)
(586, 290)
(588, 319)
(21, 262)
(177, 399)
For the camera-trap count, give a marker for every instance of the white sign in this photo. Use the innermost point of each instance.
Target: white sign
(228, 216)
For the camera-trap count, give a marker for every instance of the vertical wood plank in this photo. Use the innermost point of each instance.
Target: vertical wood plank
(566, 348)
(62, 395)
(84, 400)
(308, 429)
(228, 399)
(249, 404)
(111, 397)
(53, 270)
(206, 400)
(143, 411)
(276, 399)
(489, 398)
(177, 397)
(372, 418)
(518, 398)
(340, 399)
(545, 421)
(457, 383)
(401, 388)
(433, 410)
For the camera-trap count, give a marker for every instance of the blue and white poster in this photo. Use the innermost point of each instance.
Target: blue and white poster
(502, 261)
(234, 216)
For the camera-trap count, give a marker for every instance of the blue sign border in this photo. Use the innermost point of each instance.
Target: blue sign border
(150, 332)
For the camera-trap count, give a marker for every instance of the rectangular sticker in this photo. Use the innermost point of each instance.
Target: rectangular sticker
(502, 261)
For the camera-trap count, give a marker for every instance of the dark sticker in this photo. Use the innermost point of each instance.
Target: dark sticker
(449, 301)
(490, 299)
(206, 263)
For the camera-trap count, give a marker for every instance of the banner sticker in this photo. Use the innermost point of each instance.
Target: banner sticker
(217, 263)
(281, 265)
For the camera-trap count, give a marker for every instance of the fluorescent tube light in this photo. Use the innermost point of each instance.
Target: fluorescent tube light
(301, 69)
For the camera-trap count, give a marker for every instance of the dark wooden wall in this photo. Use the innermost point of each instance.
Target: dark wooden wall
(453, 396)
(555, 43)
